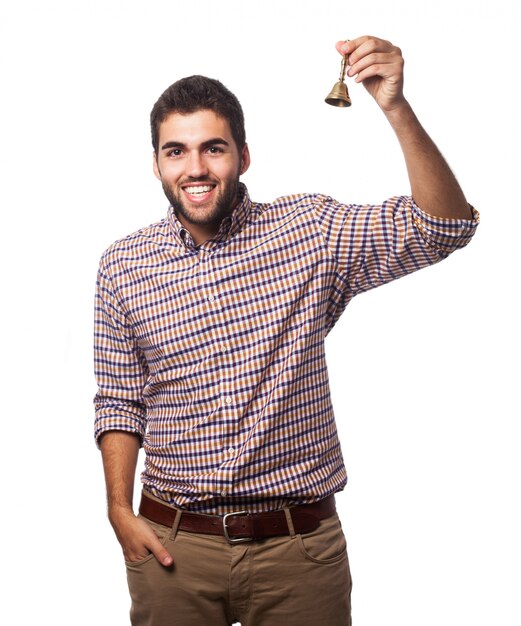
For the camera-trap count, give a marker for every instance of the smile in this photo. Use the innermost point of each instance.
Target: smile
(199, 194)
(199, 190)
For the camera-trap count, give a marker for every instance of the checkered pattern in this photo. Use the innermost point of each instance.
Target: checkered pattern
(214, 355)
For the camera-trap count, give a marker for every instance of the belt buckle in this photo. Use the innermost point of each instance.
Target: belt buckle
(225, 528)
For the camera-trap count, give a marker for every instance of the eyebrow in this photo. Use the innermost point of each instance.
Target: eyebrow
(206, 144)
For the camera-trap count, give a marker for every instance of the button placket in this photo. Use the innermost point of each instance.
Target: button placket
(222, 353)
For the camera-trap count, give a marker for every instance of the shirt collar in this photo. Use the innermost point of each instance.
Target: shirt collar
(230, 225)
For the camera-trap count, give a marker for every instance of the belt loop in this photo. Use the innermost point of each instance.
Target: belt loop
(176, 523)
(289, 520)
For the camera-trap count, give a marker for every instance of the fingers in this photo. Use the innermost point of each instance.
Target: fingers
(379, 66)
(361, 45)
(383, 65)
(152, 543)
(138, 540)
(370, 56)
(141, 549)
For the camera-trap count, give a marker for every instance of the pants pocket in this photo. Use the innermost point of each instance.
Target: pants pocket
(326, 544)
(161, 532)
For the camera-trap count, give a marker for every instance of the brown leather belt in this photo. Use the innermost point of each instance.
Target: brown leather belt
(241, 526)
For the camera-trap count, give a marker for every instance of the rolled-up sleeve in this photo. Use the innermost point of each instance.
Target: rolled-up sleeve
(375, 244)
(120, 368)
(443, 234)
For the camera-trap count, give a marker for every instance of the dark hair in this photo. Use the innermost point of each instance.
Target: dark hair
(197, 93)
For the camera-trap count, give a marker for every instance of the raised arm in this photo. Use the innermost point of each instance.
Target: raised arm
(378, 65)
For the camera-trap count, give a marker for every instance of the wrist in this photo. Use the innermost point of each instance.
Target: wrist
(401, 116)
(118, 513)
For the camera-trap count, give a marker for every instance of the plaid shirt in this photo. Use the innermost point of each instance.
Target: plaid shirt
(214, 354)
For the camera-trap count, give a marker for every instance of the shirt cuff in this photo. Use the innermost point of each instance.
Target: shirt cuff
(113, 415)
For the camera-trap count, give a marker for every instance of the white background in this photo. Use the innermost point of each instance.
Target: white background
(424, 372)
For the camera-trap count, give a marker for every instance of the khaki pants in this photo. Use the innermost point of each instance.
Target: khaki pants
(297, 580)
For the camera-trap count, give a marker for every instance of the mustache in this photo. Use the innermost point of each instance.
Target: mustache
(198, 179)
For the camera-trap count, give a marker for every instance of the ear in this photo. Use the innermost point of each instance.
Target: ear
(245, 159)
(156, 166)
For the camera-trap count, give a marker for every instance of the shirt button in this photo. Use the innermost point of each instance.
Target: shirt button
(211, 298)
(231, 450)
(228, 399)
(224, 492)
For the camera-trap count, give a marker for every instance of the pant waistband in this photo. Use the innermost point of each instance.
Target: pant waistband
(241, 526)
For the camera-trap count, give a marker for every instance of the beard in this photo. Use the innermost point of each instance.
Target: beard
(213, 214)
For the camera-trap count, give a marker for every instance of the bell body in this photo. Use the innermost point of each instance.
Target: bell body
(339, 96)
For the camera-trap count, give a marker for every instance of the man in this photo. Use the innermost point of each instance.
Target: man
(210, 329)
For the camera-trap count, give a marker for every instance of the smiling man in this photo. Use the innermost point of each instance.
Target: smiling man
(199, 164)
(209, 353)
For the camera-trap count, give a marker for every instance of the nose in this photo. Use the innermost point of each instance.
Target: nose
(195, 165)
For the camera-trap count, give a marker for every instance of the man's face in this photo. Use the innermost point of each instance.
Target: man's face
(199, 165)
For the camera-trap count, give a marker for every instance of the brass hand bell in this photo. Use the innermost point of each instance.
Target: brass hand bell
(339, 96)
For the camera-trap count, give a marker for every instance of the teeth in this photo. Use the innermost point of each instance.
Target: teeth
(194, 191)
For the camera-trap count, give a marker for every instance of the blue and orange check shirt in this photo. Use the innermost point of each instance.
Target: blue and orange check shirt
(214, 354)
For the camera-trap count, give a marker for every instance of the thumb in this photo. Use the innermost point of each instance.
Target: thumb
(161, 554)
(342, 47)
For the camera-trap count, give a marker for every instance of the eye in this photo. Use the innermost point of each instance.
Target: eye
(175, 152)
(215, 150)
